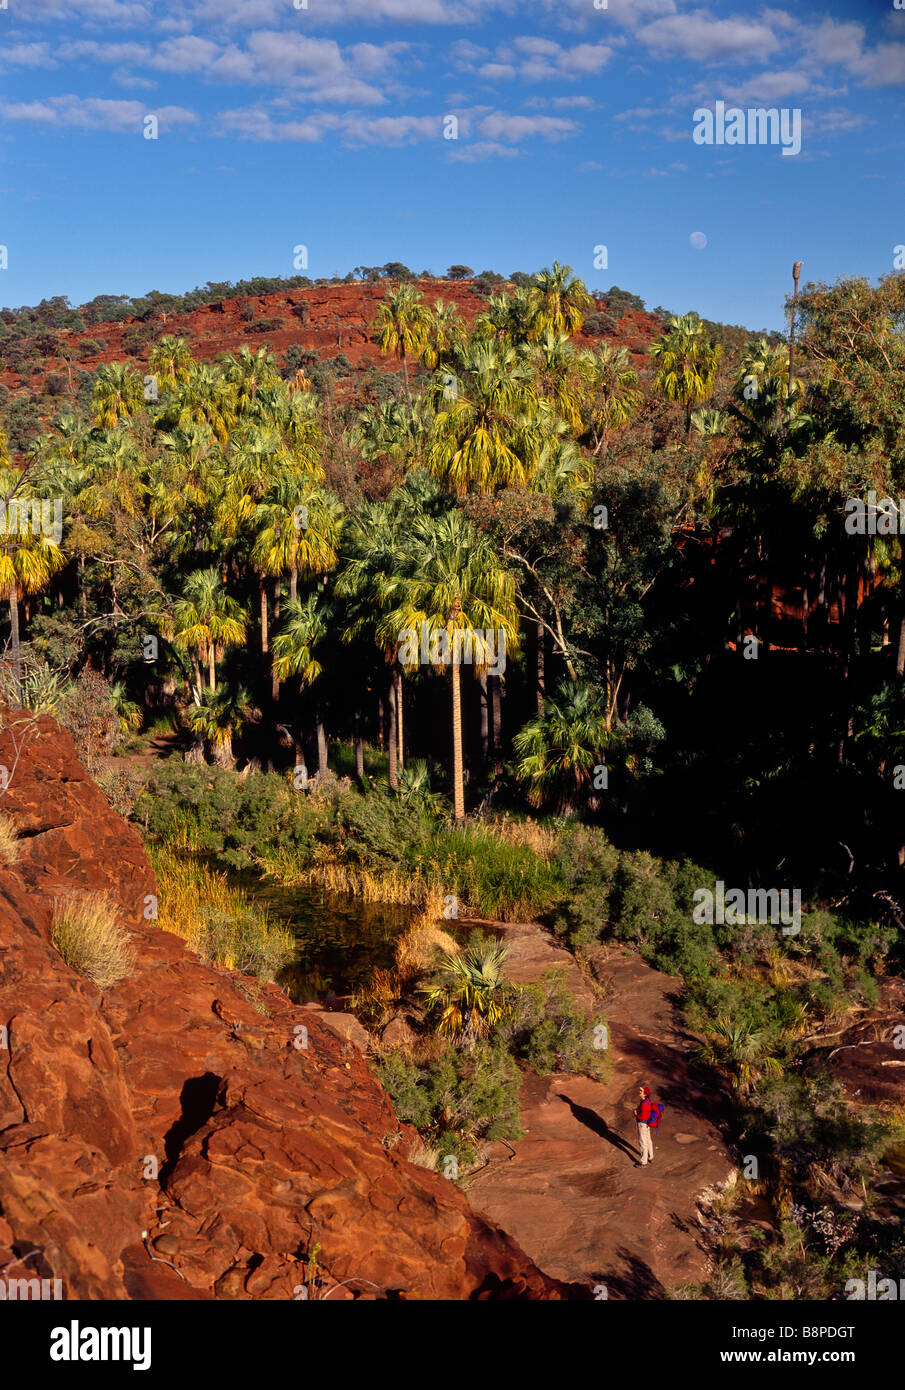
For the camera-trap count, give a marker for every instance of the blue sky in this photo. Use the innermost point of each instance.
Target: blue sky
(324, 126)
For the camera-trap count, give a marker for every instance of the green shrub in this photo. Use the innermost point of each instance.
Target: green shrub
(545, 1028)
(457, 1099)
(588, 863)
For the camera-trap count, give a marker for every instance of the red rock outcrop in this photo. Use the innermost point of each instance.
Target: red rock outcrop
(189, 1133)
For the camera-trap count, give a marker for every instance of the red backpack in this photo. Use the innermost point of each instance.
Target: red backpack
(656, 1114)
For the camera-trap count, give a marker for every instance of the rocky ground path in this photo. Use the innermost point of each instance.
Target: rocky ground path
(570, 1192)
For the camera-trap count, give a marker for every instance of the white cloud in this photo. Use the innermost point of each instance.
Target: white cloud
(704, 38)
(500, 126)
(532, 59)
(257, 123)
(106, 11)
(95, 113)
(767, 88)
(882, 66)
(482, 149)
(27, 55)
(832, 42)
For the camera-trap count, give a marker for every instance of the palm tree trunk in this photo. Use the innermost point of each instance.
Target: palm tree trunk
(381, 722)
(458, 771)
(300, 763)
(497, 699)
(264, 641)
(359, 749)
(212, 666)
(83, 597)
(541, 681)
(391, 736)
(321, 745)
(277, 590)
(400, 741)
(14, 637)
(485, 717)
(293, 582)
(900, 653)
(199, 679)
(405, 374)
(223, 754)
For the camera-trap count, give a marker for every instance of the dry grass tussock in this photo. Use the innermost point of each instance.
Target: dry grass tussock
(91, 940)
(9, 839)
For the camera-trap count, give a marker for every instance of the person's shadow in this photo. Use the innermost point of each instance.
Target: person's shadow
(599, 1126)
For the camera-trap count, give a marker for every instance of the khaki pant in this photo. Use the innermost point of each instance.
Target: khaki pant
(645, 1144)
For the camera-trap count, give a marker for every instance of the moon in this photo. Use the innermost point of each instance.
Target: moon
(698, 240)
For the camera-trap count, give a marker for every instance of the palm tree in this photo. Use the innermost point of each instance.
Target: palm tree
(298, 528)
(128, 712)
(217, 717)
(392, 430)
(688, 363)
(468, 991)
(508, 319)
(558, 367)
(741, 1049)
(403, 323)
(303, 628)
(614, 397)
(206, 398)
(113, 482)
(446, 330)
(487, 434)
(248, 373)
(117, 394)
(559, 750)
(458, 589)
(709, 424)
(27, 561)
(560, 301)
(377, 553)
(171, 360)
(207, 620)
(189, 479)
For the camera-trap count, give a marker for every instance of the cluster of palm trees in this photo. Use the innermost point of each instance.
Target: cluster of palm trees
(198, 509)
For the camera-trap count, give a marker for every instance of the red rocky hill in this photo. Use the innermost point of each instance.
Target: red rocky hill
(339, 321)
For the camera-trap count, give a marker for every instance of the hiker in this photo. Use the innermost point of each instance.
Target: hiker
(643, 1115)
